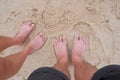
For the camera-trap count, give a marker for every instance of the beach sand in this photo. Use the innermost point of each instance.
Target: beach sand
(97, 20)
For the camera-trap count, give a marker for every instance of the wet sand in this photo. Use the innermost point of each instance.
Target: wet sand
(97, 20)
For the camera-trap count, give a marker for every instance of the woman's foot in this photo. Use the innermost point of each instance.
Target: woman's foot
(36, 43)
(24, 31)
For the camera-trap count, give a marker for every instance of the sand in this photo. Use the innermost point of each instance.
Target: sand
(97, 20)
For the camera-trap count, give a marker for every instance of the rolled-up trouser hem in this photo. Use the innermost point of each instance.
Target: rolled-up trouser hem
(111, 72)
(47, 73)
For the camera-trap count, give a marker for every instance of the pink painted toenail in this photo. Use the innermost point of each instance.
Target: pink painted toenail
(33, 25)
(41, 34)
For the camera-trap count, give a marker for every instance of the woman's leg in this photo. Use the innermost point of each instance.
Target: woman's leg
(10, 65)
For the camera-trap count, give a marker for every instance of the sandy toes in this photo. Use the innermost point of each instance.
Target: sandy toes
(36, 43)
(24, 31)
(60, 46)
(79, 47)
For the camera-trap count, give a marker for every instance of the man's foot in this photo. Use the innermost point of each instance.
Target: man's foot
(79, 47)
(24, 31)
(36, 43)
(60, 47)
(83, 70)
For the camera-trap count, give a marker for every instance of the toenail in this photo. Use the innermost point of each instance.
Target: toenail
(41, 34)
(60, 38)
(33, 24)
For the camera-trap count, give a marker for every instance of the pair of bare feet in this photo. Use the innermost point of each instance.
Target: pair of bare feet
(60, 46)
(36, 43)
(79, 46)
(78, 49)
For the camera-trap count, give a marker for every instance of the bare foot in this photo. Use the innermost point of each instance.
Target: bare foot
(36, 43)
(24, 31)
(60, 47)
(79, 47)
(83, 70)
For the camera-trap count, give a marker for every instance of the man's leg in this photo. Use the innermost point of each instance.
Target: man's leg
(83, 70)
(60, 47)
(25, 29)
(11, 64)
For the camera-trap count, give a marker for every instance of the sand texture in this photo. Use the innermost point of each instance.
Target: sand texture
(97, 20)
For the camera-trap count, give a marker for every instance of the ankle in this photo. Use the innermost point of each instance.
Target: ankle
(27, 50)
(65, 63)
(76, 63)
(18, 40)
(15, 41)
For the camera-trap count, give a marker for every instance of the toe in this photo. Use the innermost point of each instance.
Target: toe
(41, 34)
(60, 38)
(28, 23)
(33, 25)
(44, 37)
(64, 38)
(80, 38)
(84, 41)
(77, 37)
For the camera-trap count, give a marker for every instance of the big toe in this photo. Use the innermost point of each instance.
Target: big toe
(77, 37)
(83, 39)
(64, 39)
(32, 25)
(60, 38)
(29, 25)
